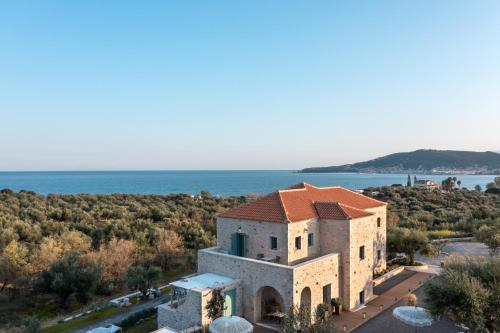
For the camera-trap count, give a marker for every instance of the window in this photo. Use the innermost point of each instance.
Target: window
(378, 222)
(310, 240)
(362, 297)
(327, 294)
(362, 252)
(274, 243)
(298, 243)
(379, 254)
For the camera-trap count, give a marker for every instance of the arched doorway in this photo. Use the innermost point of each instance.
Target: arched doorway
(268, 303)
(305, 298)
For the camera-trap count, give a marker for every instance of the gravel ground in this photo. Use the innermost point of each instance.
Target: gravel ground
(464, 248)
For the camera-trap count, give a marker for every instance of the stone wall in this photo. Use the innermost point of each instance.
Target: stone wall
(186, 315)
(315, 274)
(253, 275)
(335, 239)
(192, 311)
(303, 229)
(259, 237)
(346, 237)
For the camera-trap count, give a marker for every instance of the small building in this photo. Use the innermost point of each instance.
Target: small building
(425, 184)
(302, 246)
(189, 297)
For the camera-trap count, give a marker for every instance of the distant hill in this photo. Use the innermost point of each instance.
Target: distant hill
(424, 161)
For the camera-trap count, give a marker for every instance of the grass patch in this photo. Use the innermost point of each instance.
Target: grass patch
(85, 320)
(440, 234)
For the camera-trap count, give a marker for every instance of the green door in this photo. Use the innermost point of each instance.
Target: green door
(230, 303)
(239, 244)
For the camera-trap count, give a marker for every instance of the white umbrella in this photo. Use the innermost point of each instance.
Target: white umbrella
(231, 324)
(413, 315)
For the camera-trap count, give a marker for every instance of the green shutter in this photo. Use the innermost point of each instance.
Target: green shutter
(244, 239)
(234, 244)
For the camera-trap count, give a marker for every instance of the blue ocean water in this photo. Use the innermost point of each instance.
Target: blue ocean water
(192, 182)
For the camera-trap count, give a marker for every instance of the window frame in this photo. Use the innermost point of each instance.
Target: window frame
(362, 254)
(310, 239)
(298, 242)
(273, 246)
(379, 222)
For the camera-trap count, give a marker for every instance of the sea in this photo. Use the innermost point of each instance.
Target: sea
(222, 183)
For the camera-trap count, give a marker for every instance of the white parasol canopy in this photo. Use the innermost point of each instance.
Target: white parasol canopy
(230, 325)
(413, 315)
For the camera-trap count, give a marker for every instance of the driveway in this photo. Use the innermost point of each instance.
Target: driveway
(119, 317)
(463, 248)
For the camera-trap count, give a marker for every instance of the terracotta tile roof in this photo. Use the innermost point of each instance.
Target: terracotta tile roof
(338, 211)
(267, 208)
(297, 203)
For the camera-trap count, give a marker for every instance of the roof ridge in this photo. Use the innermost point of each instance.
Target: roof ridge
(362, 195)
(352, 207)
(282, 204)
(293, 189)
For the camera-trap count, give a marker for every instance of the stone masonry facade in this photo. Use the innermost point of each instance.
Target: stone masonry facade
(303, 246)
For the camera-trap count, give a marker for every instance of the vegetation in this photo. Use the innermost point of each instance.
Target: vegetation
(215, 306)
(137, 317)
(405, 240)
(70, 276)
(469, 290)
(82, 321)
(490, 235)
(424, 161)
(298, 320)
(59, 251)
(415, 217)
(141, 278)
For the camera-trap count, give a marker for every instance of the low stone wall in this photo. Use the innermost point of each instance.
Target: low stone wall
(288, 281)
(420, 268)
(253, 274)
(452, 240)
(388, 275)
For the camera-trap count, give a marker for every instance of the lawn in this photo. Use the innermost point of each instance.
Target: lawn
(71, 325)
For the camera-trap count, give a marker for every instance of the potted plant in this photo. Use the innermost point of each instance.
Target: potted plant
(336, 305)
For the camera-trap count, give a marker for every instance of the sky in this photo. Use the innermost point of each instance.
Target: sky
(160, 85)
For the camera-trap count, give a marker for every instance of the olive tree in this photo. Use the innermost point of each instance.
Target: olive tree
(469, 290)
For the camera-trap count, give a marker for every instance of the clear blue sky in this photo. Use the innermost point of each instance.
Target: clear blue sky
(243, 84)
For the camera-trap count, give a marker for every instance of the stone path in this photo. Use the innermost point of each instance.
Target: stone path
(348, 321)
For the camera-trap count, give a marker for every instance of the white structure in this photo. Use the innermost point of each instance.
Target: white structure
(187, 308)
(425, 184)
(299, 246)
(109, 329)
(231, 324)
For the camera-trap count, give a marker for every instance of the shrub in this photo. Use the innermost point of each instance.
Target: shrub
(135, 317)
(411, 300)
(440, 234)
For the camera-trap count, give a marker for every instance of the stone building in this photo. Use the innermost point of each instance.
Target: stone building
(425, 184)
(302, 246)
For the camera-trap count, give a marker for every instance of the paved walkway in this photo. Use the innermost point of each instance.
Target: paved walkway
(348, 321)
(386, 323)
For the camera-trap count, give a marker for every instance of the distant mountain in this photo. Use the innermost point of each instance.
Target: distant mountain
(424, 161)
